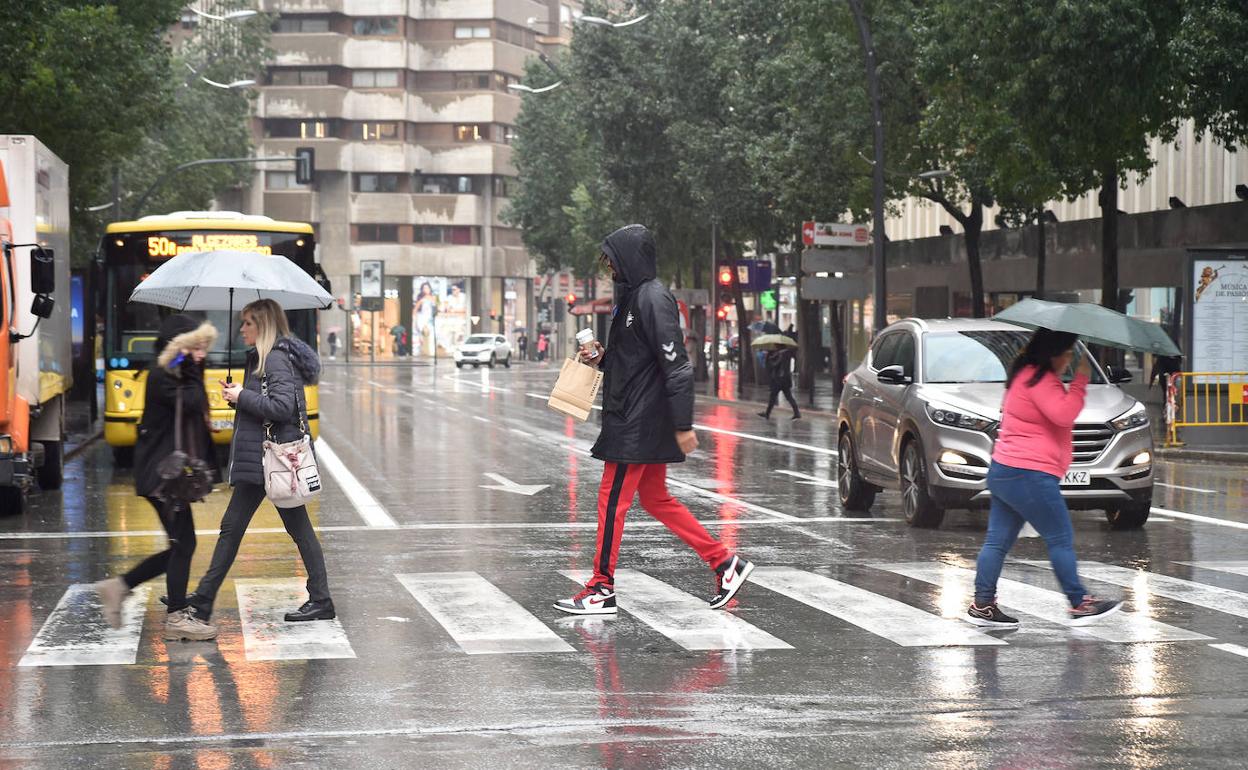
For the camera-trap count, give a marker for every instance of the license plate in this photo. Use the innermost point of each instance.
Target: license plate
(222, 424)
(1076, 479)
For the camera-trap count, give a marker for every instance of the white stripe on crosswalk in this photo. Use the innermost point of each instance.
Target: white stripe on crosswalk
(1122, 627)
(1149, 583)
(76, 634)
(1230, 567)
(266, 634)
(370, 510)
(1234, 649)
(893, 620)
(685, 619)
(479, 617)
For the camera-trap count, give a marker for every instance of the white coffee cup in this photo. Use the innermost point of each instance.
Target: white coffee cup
(585, 338)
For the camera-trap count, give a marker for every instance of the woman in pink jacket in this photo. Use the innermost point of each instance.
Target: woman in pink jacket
(1032, 454)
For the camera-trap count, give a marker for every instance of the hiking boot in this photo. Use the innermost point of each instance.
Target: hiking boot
(113, 591)
(594, 600)
(182, 625)
(313, 610)
(1093, 609)
(730, 576)
(202, 607)
(989, 615)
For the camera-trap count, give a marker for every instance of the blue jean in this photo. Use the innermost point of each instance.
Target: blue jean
(1033, 497)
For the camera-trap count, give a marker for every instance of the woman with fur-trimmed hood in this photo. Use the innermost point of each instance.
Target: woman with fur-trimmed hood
(176, 376)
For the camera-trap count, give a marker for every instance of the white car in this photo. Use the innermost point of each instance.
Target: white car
(487, 349)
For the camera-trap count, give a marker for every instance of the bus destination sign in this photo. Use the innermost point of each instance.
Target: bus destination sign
(162, 246)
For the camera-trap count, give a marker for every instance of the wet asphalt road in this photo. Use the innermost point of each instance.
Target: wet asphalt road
(447, 653)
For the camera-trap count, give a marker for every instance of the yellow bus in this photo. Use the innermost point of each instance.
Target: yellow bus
(131, 250)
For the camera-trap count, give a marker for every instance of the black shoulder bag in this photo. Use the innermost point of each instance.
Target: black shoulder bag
(184, 478)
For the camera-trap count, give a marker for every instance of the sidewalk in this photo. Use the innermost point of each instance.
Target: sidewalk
(80, 430)
(823, 404)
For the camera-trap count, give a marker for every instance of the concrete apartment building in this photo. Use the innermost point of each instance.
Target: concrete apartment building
(406, 105)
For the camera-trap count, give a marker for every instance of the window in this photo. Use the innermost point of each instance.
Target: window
(904, 355)
(300, 77)
(190, 20)
(470, 132)
(460, 236)
(376, 25)
(883, 352)
(472, 81)
(565, 14)
(504, 186)
(463, 185)
(377, 132)
(504, 134)
(301, 24)
(379, 183)
(281, 180)
(427, 234)
(375, 78)
(377, 233)
(466, 32)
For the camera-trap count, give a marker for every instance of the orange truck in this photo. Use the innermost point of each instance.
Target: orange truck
(35, 359)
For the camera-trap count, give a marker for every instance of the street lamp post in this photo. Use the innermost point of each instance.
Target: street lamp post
(878, 263)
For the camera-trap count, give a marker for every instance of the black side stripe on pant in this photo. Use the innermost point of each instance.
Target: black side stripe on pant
(608, 533)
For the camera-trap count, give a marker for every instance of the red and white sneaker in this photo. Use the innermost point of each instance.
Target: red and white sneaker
(731, 575)
(594, 600)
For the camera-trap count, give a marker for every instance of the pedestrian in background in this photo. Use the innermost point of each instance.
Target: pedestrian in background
(522, 342)
(269, 402)
(779, 366)
(332, 339)
(647, 422)
(542, 344)
(176, 403)
(1032, 453)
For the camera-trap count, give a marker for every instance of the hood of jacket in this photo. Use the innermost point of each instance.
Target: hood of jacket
(302, 356)
(200, 336)
(633, 255)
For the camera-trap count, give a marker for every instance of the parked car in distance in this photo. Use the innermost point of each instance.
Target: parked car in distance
(922, 412)
(487, 349)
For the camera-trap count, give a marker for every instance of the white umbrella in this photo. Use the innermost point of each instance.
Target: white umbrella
(218, 280)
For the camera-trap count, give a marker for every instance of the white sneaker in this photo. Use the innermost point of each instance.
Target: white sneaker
(113, 591)
(731, 576)
(184, 626)
(594, 600)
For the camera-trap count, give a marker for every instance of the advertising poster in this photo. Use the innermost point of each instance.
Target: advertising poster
(1219, 314)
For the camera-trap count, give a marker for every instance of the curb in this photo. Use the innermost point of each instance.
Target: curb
(1199, 455)
(81, 446)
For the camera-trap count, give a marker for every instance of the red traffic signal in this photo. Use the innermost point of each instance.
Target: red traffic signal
(725, 275)
(722, 313)
(571, 298)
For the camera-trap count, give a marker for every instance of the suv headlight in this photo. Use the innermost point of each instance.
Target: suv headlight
(1134, 417)
(955, 419)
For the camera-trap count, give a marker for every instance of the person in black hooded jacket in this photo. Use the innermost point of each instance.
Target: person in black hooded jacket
(647, 422)
(175, 379)
(278, 367)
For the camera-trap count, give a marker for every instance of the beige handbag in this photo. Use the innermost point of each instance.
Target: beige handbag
(291, 476)
(575, 390)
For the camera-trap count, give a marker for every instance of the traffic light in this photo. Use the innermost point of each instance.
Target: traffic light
(571, 298)
(725, 275)
(722, 313)
(305, 164)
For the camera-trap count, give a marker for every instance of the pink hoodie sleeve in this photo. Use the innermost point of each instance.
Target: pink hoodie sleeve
(1059, 405)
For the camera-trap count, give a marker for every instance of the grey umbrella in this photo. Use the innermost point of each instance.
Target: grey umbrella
(217, 280)
(1094, 323)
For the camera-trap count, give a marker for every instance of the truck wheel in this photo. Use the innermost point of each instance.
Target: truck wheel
(52, 473)
(1128, 516)
(855, 493)
(12, 501)
(917, 504)
(123, 456)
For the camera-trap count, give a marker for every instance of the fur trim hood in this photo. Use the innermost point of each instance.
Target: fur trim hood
(304, 359)
(202, 336)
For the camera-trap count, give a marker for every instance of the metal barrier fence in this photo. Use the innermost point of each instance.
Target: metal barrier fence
(1205, 400)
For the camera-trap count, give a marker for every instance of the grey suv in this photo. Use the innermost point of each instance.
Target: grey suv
(922, 411)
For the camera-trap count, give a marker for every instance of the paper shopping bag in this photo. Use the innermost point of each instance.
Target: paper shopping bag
(575, 390)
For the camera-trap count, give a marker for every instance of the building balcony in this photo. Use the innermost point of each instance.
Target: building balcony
(476, 107)
(478, 158)
(289, 205)
(348, 7)
(423, 209)
(326, 49)
(469, 56)
(398, 157)
(331, 102)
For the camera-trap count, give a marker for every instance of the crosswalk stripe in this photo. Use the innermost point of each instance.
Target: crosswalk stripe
(266, 634)
(479, 617)
(895, 621)
(1229, 567)
(1146, 583)
(681, 617)
(1234, 649)
(1122, 627)
(76, 634)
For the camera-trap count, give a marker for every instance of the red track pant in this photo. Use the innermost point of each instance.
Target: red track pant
(620, 483)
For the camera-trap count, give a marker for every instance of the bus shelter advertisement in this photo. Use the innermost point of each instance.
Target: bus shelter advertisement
(1219, 312)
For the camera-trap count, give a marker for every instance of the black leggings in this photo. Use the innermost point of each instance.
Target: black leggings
(774, 398)
(175, 561)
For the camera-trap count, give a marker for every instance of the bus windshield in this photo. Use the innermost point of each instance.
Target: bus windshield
(131, 328)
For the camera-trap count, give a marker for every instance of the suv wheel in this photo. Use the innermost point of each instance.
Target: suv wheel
(917, 504)
(492, 361)
(855, 494)
(1128, 515)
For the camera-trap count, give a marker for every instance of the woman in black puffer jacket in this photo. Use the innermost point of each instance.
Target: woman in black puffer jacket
(285, 364)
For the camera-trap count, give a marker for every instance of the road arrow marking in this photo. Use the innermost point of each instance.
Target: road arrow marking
(507, 485)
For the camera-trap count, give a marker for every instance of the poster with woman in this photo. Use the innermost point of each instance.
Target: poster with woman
(455, 307)
(425, 311)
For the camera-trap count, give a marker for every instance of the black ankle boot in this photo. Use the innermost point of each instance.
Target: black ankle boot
(313, 610)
